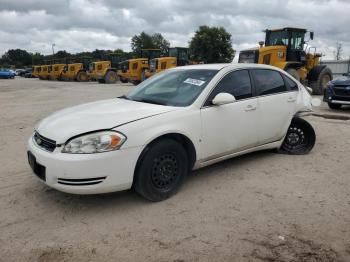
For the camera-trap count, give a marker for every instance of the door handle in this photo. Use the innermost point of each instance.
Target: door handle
(250, 108)
(291, 99)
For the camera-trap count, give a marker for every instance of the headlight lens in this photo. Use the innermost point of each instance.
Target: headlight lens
(98, 142)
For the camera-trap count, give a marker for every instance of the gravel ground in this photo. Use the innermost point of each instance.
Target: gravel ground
(259, 207)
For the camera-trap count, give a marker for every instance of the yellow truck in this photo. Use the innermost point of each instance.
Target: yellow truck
(286, 48)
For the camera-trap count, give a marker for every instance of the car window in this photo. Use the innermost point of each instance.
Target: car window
(290, 84)
(236, 83)
(268, 82)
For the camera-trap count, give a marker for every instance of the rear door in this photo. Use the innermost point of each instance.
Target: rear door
(277, 96)
(231, 127)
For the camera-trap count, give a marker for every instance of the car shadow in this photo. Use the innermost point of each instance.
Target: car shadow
(130, 199)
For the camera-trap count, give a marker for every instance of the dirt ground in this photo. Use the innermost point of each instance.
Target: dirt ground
(259, 207)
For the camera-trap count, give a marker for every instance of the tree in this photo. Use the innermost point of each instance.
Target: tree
(212, 45)
(17, 57)
(144, 40)
(338, 51)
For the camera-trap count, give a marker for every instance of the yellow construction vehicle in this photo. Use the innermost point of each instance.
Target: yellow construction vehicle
(103, 72)
(284, 48)
(134, 70)
(178, 56)
(36, 70)
(55, 71)
(76, 70)
(44, 73)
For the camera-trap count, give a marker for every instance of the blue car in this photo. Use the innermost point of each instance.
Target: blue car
(337, 92)
(5, 73)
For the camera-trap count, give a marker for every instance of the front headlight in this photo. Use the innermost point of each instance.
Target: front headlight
(98, 142)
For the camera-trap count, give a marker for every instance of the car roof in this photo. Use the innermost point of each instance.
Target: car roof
(230, 66)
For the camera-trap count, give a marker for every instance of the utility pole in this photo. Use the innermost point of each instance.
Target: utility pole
(53, 50)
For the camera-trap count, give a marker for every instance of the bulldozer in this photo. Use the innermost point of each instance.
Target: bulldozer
(103, 72)
(287, 49)
(134, 70)
(178, 56)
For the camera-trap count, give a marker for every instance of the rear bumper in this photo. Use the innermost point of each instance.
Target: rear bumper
(85, 173)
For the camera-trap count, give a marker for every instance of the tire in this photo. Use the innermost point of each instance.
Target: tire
(320, 84)
(161, 170)
(110, 77)
(101, 81)
(82, 76)
(300, 138)
(334, 106)
(135, 82)
(294, 73)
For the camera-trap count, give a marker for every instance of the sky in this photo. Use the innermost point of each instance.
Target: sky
(86, 25)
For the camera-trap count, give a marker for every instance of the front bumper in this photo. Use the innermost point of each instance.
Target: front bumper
(330, 96)
(85, 173)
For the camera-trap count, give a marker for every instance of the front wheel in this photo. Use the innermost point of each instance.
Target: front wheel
(110, 77)
(320, 84)
(161, 170)
(300, 138)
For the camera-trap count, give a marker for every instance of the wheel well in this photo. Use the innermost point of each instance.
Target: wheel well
(182, 139)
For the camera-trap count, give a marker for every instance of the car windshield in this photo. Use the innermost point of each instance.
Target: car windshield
(178, 87)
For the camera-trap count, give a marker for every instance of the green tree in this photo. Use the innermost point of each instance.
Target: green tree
(17, 57)
(144, 40)
(212, 45)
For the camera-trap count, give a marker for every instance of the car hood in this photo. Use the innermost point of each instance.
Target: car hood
(105, 114)
(341, 82)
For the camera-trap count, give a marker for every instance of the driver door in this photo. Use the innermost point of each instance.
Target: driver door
(231, 127)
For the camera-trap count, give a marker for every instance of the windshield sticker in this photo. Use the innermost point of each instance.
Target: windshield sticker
(195, 82)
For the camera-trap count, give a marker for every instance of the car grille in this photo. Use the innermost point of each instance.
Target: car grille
(341, 91)
(44, 143)
(80, 181)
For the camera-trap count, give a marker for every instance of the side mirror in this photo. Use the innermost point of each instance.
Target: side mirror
(223, 98)
(312, 35)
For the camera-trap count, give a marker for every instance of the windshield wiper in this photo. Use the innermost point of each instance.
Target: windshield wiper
(144, 100)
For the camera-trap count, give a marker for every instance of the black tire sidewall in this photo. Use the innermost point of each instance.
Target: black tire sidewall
(143, 182)
(308, 131)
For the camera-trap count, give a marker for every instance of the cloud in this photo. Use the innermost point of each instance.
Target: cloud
(78, 25)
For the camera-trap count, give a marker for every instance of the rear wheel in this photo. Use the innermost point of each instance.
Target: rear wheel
(110, 77)
(294, 73)
(334, 106)
(82, 76)
(300, 138)
(161, 170)
(320, 84)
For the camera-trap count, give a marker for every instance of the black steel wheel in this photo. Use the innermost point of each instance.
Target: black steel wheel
(300, 137)
(161, 170)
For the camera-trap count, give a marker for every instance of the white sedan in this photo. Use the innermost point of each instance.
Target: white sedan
(176, 121)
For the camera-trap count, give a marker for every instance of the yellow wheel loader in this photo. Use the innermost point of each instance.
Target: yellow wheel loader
(178, 56)
(103, 72)
(134, 70)
(55, 71)
(44, 73)
(287, 49)
(36, 70)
